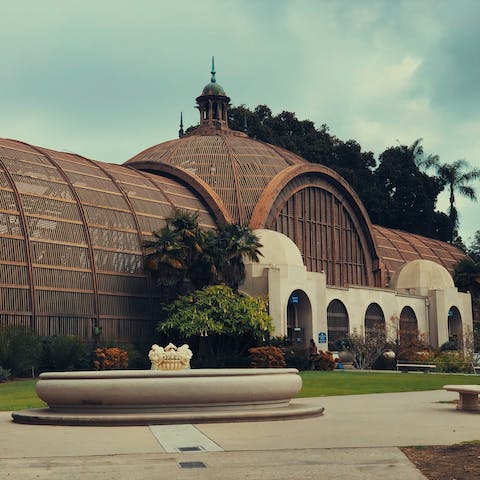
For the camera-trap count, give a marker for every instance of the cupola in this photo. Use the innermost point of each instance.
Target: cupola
(213, 105)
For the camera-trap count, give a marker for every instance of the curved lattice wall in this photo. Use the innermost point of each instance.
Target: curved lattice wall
(70, 237)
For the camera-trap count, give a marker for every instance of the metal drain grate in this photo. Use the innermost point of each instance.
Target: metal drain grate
(192, 465)
(190, 449)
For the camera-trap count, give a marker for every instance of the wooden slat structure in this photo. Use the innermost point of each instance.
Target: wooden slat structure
(70, 232)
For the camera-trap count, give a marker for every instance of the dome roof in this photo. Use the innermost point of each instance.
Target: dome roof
(422, 274)
(277, 249)
(237, 168)
(213, 88)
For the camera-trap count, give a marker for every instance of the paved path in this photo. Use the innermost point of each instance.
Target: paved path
(356, 438)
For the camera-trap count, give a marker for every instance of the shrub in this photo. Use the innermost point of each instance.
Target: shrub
(137, 356)
(266, 357)
(110, 359)
(322, 361)
(4, 374)
(449, 346)
(451, 362)
(366, 348)
(63, 353)
(297, 357)
(20, 350)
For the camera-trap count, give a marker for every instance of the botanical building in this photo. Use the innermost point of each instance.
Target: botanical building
(71, 231)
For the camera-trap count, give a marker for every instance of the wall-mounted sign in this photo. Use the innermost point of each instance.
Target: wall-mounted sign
(294, 299)
(322, 337)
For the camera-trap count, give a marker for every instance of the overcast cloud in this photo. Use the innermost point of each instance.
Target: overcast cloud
(109, 78)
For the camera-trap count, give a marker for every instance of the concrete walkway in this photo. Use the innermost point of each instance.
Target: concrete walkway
(356, 438)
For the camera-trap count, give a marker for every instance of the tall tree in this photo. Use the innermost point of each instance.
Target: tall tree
(408, 196)
(457, 178)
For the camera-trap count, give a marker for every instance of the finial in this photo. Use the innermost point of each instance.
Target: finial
(180, 132)
(213, 79)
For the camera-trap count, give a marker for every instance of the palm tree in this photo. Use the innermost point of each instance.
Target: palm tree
(165, 257)
(457, 178)
(416, 153)
(234, 243)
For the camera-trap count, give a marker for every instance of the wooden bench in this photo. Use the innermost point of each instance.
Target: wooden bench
(468, 396)
(415, 367)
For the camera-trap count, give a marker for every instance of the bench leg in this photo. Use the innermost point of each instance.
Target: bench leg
(468, 401)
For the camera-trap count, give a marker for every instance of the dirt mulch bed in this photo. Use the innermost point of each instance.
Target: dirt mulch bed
(453, 462)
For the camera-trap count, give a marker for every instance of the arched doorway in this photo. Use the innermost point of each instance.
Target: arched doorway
(337, 323)
(408, 327)
(455, 330)
(299, 319)
(374, 321)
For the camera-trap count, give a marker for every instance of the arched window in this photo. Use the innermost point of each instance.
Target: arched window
(455, 331)
(337, 323)
(374, 321)
(408, 327)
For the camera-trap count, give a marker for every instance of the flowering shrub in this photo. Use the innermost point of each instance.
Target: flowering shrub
(110, 359)
(266, 357)
(322, 361)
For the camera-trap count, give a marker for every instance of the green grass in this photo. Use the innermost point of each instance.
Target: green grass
(20, 394)
(321, 384)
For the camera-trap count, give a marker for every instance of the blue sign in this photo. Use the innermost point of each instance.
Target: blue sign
(322, 337)
(294, 299)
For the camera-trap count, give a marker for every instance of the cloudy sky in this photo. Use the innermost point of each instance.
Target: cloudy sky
(108, 78)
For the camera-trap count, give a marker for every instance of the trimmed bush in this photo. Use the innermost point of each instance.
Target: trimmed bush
(266, 357)
(322, 361)
(110, 359)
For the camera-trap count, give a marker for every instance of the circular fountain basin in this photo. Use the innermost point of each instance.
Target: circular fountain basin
(142, 397)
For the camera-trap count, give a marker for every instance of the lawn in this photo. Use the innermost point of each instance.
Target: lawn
(20, 394)
(341, 382)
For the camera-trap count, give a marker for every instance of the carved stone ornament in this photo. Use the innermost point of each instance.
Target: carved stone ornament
(170, 357)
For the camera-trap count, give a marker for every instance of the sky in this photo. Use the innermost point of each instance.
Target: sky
(109, 78)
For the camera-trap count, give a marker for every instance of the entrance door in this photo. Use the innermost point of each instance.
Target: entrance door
(299, 319)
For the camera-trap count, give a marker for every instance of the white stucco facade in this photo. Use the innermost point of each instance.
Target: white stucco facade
(425, 287)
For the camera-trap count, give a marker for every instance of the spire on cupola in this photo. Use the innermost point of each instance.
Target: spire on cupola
(181, 133)
(213, 105)
(213, 79)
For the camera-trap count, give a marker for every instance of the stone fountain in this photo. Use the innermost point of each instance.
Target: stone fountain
(169, 393)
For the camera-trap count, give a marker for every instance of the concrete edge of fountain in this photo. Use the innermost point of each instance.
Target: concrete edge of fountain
(297, 409)
(147, 397)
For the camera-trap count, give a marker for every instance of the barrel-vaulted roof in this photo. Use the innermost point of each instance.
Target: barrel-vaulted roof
(71, 233)
(397, 247)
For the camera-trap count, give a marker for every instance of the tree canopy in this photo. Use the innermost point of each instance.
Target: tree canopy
(397, 193)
